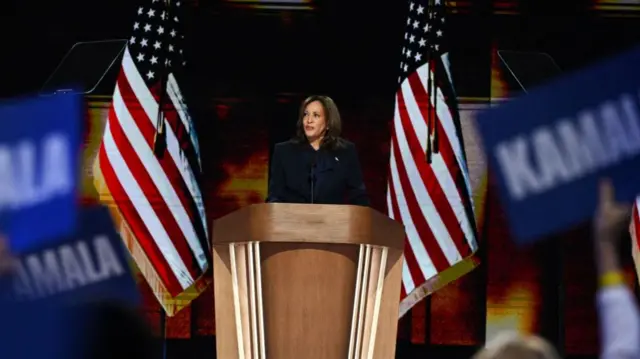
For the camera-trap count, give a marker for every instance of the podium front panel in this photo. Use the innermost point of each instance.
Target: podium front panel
(306, 300)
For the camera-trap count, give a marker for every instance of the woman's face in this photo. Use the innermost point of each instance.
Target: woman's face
(314, 121)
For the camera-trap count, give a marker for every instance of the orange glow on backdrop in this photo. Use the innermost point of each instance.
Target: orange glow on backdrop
(513, 278)
(247, 182)
(97, 112)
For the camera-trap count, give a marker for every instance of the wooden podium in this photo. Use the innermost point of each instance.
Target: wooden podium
(302, 281)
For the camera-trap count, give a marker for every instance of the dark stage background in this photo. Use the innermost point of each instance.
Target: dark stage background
(250, 64)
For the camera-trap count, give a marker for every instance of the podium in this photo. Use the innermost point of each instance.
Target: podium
(307, 281)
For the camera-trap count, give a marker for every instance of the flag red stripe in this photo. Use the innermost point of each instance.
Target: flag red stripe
(133, 220)
(153, 195)
(432, 246)
(439, 198)
(409, 256)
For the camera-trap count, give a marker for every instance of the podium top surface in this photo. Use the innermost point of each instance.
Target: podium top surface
(310, 223)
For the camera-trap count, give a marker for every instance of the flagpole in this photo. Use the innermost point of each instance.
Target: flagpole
(159, 146)
(159, 140)
(430, 114)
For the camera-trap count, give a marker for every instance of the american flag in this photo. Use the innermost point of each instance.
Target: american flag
(149, 160)
(428, 188)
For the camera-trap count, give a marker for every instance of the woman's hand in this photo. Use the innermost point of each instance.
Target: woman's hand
(612, 218)
(610, 222)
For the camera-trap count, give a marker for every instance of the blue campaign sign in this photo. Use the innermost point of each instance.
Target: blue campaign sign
(90, 266)
(39, 154)
(549, 149)
(56, 293)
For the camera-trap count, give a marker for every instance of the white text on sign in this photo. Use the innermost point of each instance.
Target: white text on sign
(32, 173)
(67, 267)
(571, 148)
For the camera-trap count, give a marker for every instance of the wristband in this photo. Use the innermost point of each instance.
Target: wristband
(611, 279)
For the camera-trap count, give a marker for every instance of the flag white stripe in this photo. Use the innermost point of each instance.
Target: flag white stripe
(150, 106)
(427, 207)
(158, 176)
(144, 209)
(390, 203)
(407, 279)
(447, 66)
(439, 167)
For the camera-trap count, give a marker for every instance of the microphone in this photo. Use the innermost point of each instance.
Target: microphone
(312, 177)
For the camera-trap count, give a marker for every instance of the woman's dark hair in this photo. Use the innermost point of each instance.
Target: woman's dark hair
(331, 139)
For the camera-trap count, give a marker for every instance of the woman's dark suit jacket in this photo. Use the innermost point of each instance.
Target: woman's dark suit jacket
(335, 174)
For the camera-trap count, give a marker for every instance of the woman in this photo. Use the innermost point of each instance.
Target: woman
(317, 165)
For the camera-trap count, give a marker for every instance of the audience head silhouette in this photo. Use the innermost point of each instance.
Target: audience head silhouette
(516, 346)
